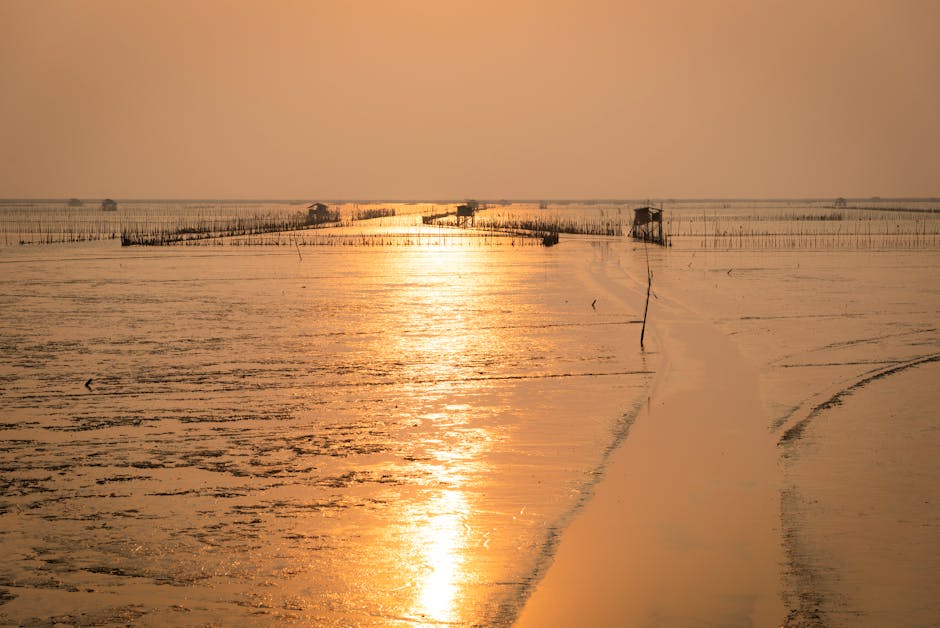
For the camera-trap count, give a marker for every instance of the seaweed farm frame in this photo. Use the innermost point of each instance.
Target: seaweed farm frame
(720, 224)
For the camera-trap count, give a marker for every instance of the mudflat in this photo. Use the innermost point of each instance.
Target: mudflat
(783, 471)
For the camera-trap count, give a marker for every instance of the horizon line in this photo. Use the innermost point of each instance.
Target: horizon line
(449, 200)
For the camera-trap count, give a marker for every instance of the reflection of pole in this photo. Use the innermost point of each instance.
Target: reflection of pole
(649, 286)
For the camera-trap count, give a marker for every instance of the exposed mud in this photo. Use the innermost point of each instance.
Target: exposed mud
(360, 437)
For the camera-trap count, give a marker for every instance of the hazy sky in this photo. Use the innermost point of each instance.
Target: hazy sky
(477, 98)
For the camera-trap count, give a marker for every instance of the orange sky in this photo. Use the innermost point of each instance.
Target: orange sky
(482, 98)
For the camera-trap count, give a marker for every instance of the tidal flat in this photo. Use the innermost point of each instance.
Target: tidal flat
(367, 436)
(408, 430)
(783, 470)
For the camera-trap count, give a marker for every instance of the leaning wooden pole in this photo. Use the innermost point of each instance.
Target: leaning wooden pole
(649, 287)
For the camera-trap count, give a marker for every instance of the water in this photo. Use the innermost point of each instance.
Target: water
(390, 435)
(372, 435)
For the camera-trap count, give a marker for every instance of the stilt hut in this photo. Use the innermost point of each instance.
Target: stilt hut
(318, 213)
(466, 212)
(648, 225)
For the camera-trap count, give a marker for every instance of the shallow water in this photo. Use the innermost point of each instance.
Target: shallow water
(355, 436)
(385, 435)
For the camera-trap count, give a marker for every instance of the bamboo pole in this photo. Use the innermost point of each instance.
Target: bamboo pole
(649, 287)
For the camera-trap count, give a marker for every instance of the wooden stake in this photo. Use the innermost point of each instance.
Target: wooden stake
(649, 287)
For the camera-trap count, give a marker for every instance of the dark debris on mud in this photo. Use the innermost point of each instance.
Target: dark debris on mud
(125, 615)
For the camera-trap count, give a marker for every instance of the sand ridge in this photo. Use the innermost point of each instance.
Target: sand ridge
(684, 530)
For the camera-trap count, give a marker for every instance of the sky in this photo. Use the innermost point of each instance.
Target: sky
(451, 99)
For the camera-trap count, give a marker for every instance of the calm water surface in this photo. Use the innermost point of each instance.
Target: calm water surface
(358, 436)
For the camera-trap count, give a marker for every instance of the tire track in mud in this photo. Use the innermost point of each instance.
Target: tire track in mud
(793, 425)
(811, 601)
(783, 359)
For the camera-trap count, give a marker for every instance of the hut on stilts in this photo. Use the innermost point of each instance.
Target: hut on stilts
(319, 213)
(466, 212)
(648, 225)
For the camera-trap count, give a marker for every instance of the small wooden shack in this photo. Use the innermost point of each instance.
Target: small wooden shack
(466, 212)
(839, 203)
(108, 205)
(648, 225)
(75, 202)
(319, 213)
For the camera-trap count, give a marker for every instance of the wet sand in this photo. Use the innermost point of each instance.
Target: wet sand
(438, 486)
(358, 436)
(683, 530)
(861, 506)
(783, 472)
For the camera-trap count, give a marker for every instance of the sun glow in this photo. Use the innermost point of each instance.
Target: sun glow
(443, 354)
(443, 543)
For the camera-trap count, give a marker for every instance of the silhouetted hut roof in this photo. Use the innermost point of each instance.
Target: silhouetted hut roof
(647, 212)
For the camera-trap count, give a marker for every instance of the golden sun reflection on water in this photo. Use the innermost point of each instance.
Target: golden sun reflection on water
(442, 539)
(443, 543)
(438, 547)
(447, 308)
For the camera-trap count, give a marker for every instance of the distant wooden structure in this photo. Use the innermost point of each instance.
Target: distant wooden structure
(839, 203)
(318, 213)
(75, 202)
(466, 212)
(108, 205)
(648, 225)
